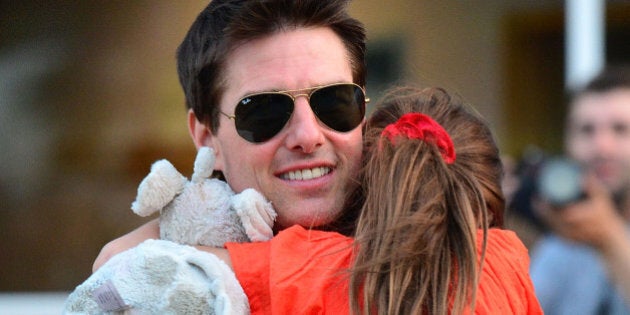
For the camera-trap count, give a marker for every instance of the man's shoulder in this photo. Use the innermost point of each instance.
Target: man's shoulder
(552, 245)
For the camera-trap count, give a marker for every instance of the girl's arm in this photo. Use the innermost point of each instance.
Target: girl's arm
(150, 230)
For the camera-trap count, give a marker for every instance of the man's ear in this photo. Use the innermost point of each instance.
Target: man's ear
(203, 137)
(199, 132)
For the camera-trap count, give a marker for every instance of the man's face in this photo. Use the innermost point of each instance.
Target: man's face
(296, 59)
(599, 136)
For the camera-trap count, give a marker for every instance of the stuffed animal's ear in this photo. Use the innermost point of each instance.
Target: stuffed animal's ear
(256, 213)
(162, 184)
(204, 164)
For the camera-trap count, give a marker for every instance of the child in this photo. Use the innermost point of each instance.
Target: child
(431, 183)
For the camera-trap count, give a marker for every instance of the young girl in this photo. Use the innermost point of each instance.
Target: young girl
(426, 241)
(432, 186)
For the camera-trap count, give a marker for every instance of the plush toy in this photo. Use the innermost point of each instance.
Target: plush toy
(203, 211)
(167, 276)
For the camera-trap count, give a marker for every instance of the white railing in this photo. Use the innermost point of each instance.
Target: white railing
(32, 303)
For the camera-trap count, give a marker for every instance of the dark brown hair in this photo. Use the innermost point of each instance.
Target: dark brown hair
(225, 24)
(612, 77)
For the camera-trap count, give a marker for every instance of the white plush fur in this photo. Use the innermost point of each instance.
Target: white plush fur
(162, 277)
(202, 211)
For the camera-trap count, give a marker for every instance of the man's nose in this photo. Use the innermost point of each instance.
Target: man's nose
(604, 143)
(305, 132)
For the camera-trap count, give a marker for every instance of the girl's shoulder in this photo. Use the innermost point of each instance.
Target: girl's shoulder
(505, 286)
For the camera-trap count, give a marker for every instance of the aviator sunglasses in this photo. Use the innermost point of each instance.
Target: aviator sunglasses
(259, 117)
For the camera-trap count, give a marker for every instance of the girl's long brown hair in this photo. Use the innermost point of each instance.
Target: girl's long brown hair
(416, 246)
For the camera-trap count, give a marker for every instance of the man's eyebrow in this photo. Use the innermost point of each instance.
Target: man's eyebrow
(250, 92)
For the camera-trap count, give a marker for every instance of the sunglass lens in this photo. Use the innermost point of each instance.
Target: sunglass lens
(341, 107)
(260, 117)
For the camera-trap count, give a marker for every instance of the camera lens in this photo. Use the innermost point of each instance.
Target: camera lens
(560, 181)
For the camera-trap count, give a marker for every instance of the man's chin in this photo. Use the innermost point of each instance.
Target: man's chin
(306, 218)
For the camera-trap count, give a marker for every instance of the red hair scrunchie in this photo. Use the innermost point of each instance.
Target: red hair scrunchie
(422, 127)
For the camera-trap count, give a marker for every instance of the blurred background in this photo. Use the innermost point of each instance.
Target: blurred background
(89, 98)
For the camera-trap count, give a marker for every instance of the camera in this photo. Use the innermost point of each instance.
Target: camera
(560, 181)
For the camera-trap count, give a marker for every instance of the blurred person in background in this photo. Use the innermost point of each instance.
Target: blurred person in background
(582, 264)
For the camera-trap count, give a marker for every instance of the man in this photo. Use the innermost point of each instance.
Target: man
(300, 142)
(585, 267)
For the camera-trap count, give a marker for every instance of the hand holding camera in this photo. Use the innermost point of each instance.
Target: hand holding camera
(575, 204)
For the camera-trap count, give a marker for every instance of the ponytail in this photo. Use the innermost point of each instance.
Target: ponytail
(416, 236)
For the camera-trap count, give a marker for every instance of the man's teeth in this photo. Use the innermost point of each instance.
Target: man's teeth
(306, 174)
